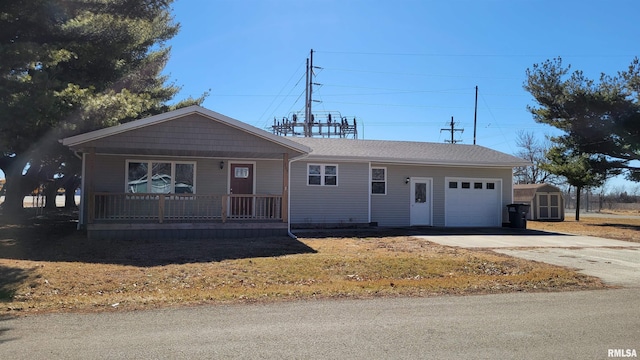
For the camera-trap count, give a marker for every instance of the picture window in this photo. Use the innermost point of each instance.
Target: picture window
(166, 177)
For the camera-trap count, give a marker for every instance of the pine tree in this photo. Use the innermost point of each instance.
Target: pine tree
(71, 66)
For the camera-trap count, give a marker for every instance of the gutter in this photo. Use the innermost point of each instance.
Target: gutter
(418, 162)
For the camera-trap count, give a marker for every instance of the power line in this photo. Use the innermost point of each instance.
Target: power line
(401, 105)
(451, 91)
(280, 92)
(420, 74)
(494, 119)
(598, 55)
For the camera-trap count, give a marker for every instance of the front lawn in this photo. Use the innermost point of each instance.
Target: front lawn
(47, 266)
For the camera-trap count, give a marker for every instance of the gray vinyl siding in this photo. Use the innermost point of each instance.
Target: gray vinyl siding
(392, 209)
(269, 177)
(347, 203)
(193, 135)
(109, 174)
(210, 179)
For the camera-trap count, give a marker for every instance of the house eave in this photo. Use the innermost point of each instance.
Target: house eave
(395, 161)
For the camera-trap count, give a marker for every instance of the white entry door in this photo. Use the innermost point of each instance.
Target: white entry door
(420, 201)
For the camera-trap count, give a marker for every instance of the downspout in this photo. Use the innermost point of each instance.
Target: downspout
(291, 235)
(83, 200)
(369, 197)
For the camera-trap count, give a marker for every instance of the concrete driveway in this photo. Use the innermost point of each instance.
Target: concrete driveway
(615, 262)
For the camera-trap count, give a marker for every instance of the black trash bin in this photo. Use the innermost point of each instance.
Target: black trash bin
(518, 215)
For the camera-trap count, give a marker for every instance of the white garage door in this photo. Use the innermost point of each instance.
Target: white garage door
(473, 202)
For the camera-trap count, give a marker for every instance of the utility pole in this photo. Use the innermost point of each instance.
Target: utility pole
(307, 108)
(310, 118)
(475, 117)
(324, 123)
(308, 115)
(452, 129)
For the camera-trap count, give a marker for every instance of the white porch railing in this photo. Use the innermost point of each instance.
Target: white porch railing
(122, 207)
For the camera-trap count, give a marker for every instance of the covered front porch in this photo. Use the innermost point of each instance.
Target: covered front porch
(189, 173)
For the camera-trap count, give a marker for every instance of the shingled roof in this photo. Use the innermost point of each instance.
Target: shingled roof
(407, 152)
(526, 192)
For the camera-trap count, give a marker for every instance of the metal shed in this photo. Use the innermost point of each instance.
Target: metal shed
(546, 201)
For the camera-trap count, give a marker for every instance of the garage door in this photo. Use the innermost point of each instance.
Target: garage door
(473, 202)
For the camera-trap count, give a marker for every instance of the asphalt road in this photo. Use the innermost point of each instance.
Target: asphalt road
(570, 325)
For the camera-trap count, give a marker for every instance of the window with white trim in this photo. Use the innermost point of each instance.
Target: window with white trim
(379, 180)
(322, 175)
(167, 177)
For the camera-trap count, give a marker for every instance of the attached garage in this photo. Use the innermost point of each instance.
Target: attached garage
(473, 202)
(401, 183)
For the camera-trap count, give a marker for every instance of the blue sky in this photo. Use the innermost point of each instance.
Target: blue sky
(403, 68)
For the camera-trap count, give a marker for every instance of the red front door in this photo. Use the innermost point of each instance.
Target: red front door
(241, 183)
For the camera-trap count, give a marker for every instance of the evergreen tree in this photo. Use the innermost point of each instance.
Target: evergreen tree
(600, 122)
(71, 66)
(581, 171)
(600, 119)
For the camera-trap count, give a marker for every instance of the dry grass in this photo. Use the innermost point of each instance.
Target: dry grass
(605, 227)
(59, 270)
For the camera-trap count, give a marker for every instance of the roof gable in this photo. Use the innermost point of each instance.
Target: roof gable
(79, 140)
(526, 192)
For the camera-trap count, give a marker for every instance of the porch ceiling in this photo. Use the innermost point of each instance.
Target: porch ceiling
(225, 154)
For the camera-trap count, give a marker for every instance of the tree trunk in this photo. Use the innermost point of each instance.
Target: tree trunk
(50, 193)
(13, 196)
(578, 194)
(17, 186)
(70, 199)
(70, 187)
(600, 202)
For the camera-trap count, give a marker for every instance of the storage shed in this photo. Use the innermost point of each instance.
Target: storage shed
(546, 201)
